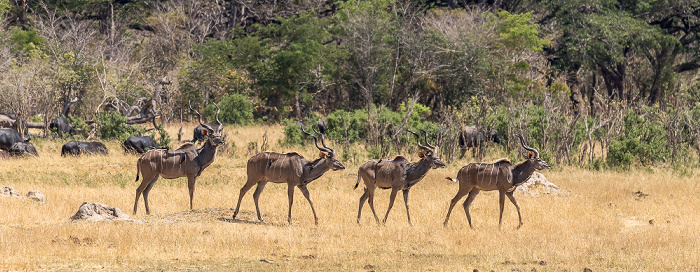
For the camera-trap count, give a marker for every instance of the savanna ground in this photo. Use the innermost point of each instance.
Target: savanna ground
(602, 224)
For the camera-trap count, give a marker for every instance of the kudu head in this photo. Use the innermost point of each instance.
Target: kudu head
(327, 153)
(430, 154)
(538, 163)
(213, 135)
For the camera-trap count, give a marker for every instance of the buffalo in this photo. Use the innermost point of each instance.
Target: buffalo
(77, 148)
(8, 137)
(4, 154)
(140, 144)
(61, 126)
(473, 136)
(11, 120)
(23, 149)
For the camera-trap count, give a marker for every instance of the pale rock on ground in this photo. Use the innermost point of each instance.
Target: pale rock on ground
(537, 185)
(36, 196)
(9, 191)
(92, 212)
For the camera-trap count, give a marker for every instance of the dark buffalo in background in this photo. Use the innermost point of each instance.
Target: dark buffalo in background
(140, 144)
(23, 149)
(475, 137)
(8, 137)
(60, 124)
(78, 148)
(198, 135)
(4, 154)
(8, 120)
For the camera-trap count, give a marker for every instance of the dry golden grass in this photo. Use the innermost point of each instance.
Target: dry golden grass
(601, 224)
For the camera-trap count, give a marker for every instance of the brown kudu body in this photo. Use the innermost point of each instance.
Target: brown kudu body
(397, 174)
(185, 161)
(290, 168)
(501, 175)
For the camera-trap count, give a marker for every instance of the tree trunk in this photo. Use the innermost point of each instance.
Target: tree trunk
(576, 98)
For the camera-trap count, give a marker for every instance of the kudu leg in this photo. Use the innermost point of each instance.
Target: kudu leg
(501, 203)
(517, 207)
(242, 193)
(144, 183)
(405, 200)
(468, 202)
(305, 192)
(256, 197)
(146, 192)
(363, 198)
(391, 203)
(371, 203)
(290, 195)
(190, 185)
(453, 202)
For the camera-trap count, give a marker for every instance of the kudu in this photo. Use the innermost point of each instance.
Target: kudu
(501, 175)
(290, 168)
(397, 174)
(185, 161)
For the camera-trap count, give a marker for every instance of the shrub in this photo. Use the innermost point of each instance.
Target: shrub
(357, 122)
(643, 141)
(112, 125)
(78, 125)
(235, 109)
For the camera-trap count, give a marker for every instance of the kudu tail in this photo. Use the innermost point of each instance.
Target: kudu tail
(451, 179)
(358, 182)
(138, 170)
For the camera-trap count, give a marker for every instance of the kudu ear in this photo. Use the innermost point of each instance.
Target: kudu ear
(323, 155)
(421, 154)
(529, 155)
(205, 132)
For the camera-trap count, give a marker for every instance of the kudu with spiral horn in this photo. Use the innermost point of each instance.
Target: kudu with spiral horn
(290, 168)
(501, 175)
(185, 161)
(397, 174)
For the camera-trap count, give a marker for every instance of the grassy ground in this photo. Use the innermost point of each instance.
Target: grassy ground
(602, 224)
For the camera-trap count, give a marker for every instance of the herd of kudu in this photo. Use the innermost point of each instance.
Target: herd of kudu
(397, 174)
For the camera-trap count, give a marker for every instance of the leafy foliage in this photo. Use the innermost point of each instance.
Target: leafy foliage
(644, 142)
(112, 126)
(235, 109)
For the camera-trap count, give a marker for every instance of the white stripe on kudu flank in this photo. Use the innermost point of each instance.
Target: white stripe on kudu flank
(282, 165)
(497, 172)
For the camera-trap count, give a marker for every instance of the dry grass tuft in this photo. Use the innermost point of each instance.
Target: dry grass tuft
(610, 220)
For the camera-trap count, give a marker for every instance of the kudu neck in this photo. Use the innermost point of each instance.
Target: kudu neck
(417, 171)
(522, 171)
(207, 153)
(315, 169)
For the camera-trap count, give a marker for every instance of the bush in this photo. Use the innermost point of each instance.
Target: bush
(235, 109)
(78, 125)
(112, 125)
(357, 122)
(643, 142)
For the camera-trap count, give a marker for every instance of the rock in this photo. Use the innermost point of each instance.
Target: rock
(98, 212)
(537, 184)
(9, 191)
(37, 196)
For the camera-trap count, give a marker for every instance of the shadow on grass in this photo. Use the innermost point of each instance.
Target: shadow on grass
(251, 222)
